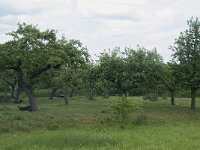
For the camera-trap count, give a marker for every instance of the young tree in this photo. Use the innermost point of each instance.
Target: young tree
(187, 56)
(124, 106)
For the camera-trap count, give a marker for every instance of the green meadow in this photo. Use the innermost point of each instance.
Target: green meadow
(86, 125)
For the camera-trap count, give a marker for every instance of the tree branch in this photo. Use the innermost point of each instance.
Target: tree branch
(40, 71)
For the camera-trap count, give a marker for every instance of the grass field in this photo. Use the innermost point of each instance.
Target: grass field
(93, 125)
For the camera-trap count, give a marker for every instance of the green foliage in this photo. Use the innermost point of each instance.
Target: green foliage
(39, 49)
(132, 68)
(36, 56)
(91, 79)
(187, 53)
(112, 70)
(124, 106)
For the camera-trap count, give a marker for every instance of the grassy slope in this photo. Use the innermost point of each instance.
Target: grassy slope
(93, 125)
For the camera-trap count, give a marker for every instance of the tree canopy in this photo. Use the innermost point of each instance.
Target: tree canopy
(31, 52)
(186, 54)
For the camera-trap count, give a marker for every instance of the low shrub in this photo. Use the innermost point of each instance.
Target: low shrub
(124, 106)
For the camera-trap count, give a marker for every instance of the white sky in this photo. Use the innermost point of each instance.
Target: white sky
(103, 24)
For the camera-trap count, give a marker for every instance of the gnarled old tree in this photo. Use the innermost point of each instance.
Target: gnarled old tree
(31, 53)
(187, 56)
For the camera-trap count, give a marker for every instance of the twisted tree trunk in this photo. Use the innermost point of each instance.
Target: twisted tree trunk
(31, 97)
(22, 86)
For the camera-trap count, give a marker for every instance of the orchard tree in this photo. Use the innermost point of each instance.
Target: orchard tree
(113, 70)
(68, 80)
(154, 71)
(145, 69)
(135, 60)
(172, 81)
(32, 52)
(187, 56)
(27, 54)
(91, 77)
(132, 69)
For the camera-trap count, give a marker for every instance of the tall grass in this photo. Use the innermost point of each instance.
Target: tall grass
(92, 125)
(165, 137)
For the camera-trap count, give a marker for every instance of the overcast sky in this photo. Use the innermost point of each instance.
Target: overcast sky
(103, 24)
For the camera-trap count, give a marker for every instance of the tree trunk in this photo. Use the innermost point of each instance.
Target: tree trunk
(91, 94)
(193, 97)
(12, 92)
(105, 93)
(72, 92)
(52, 93)
(25, 87)
(125, 93)
(172, 97)
(17, 94)
(32, 100)
(155, 95)
(66, 98)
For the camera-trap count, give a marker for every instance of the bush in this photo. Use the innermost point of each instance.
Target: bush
(124, 106)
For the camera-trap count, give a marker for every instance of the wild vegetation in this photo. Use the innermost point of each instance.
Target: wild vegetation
(87, 124)
(53, 96)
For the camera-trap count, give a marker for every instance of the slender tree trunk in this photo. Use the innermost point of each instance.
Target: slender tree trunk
(105, 93)
(17, 94)
(172, 97)
(125, 93)
(72, 92)
(155, 95)
(52, 93)
(193, 97)
(32, 100)
(12, 92)
(66, 98)
(91, 94)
